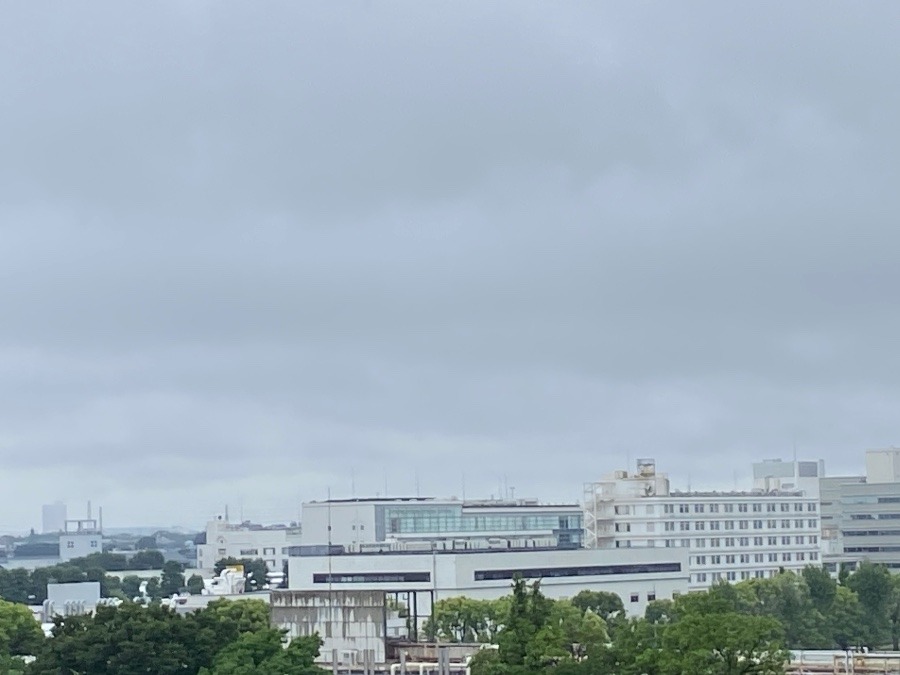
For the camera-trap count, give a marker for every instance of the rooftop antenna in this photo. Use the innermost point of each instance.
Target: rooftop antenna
(89, 510)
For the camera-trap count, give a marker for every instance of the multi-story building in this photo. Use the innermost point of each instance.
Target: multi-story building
(730, 535)
(81, 538)
(776, 474)
(246, 540)
(638, 576)
(861, 514)
(447, 523)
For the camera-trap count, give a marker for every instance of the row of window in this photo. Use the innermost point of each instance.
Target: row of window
(417, 521)
(719, 542)
(703, 577)
(500, 575)
(756, 507)
(745, 558)
(714, 525)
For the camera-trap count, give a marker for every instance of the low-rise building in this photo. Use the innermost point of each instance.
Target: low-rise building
(246, 540)
(638, 576)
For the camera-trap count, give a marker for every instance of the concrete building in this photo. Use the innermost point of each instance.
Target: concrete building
(361, 522)
(777, 475)
(53, 518)
(71, 599)
(863, 513)
(80, 538)
(638, 576)
(730, 536)
(246, 540)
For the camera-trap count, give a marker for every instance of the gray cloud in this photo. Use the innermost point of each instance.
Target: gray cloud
(249, 253)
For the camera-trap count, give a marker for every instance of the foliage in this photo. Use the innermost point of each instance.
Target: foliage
(171, 581)
(262, 653)
(20, 634)
(195, 584)
(874, 588)
(132, 639)
(146, 560)
(463, 619)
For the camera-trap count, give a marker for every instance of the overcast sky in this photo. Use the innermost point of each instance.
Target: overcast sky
(253, 251)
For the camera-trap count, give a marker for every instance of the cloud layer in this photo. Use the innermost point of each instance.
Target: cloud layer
(250, 254)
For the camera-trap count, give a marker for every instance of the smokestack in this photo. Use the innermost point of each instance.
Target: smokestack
(89, 509)
(100, 515)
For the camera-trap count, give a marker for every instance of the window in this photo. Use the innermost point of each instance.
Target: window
(742, 508)
(729, 524)
(757, 524)
(700, 543)
(583, 571)
(268, 551)
(786, 541)
(375, 578)
(786, 557)
(249, 551)
(785, 508)
(70, 544)
(714, 524)
(731, 576)
(221, 551)
(729, 542)
(700, 525)
(94, 543)
(683, 508)
(773, 557)
(813, 539)
(716, 559)
(744, 541)
(685, 543)
(811, 507)
(651, 596)
(634, 597)
(798, 506)
(813, 556)
(773, 541)
(744, 557)
(757, 541)
(757, 557)
(713, 508)
(801, 556)
(786, 524)
(270, 564)
(757, 508)
(700, 559)
(670, 526)
(715, 542)
(801, 540)
(745, 575)
(668, 508)
(698, 508)
(743, 524)
(798, 524)
(729, 560)
(701, 576)
(684, 526)
(770, 508)
(813, 523)
(729, 508)
(772, 524)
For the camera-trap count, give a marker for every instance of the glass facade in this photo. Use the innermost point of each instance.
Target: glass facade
(450, 520)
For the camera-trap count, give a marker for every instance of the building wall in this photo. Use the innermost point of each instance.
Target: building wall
(731, 536)
(350, 622)
(883, 466)
(79, 544)
(225, 540)
(637, 576)
(369, 521)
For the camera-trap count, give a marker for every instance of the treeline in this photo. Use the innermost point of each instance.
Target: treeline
(30, 587)
(225, 638)
(752, 622)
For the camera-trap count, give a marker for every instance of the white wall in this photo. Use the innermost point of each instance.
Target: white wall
(351, 522)
(225, 540)
(453, 574)
(78, 545)
(883, 466)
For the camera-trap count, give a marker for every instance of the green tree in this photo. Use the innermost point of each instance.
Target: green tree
(822, 588)
(145, 543)
(462, 619)
(845, 619)
(786, 598)
(723, 644)
(874, 588)
(195, 584)
(172, 580)
(146, 560)
(131, 586)
(20, 634)
(262, 653)
(604, 604)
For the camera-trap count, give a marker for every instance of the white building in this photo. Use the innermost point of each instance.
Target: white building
(638, 576)
(730, 536)
(777, 475)
(80, 538)
(53, 518)
(246, 540)
(424, 519)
